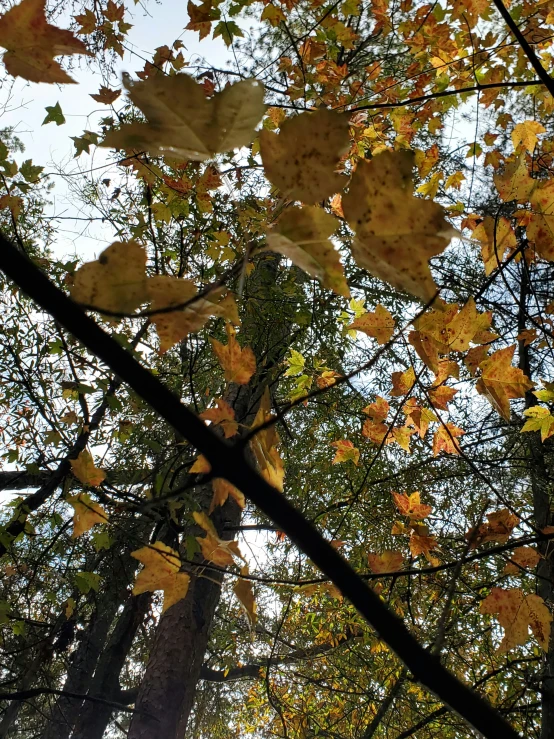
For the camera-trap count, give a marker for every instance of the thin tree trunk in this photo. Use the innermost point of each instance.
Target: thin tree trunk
(541, 484)
(93, 718)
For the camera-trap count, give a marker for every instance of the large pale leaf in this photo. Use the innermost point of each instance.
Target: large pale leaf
(302, 158)
(302, 235)
(184, 123)
(397, 233)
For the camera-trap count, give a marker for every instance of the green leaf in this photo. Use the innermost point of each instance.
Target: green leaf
(87, 581)
(296, 363)
(55, 115)
(228, 30)
(31, 172)
(82, 143)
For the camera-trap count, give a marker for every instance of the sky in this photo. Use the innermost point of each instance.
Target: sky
(51, 145)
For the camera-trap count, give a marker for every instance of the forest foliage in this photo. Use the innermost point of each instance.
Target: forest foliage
(336, 252)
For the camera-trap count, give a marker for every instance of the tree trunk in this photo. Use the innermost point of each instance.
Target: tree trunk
(94, 717)
(541, 483)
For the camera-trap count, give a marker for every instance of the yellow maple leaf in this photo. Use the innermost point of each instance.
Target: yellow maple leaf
(540, 419)
(245, 593)
(265, 445)
(222, 489)
(525, 557)
(346, 451)
(378, 410)
(498, 527)
(514, 182)
(201, 466)
(497, 237)
(500, 382)
(418, 416)
(396, 232)
(166, 291)
(423, 543)
(302, 235)
(444, 439)
(239, 364)
(161, 572)
(517, 613)
(388, 561)
(442, 395)
(116, 281)
(378, 324)
(183, 123)
(302, 158)
(87, 514)
(84, 470)
(525, 134)
(402, 382)
(223, 415)
(221, 552)
(540, 229)
(401, 435)
(410, 505)
(32, 43)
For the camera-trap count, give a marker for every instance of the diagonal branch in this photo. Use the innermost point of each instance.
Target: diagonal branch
(232, 464)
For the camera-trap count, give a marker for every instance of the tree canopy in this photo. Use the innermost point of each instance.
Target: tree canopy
(277, 449)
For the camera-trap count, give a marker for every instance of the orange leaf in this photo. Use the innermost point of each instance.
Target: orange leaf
(499, 526)
(500, 382)
(32, 43)
(378, 324)
(409, 505)
(525, 557)
(223, 416)
(388, 561)
(444, 439)
(517, 613)
(402, 382)
(239, 364)
(346, 451)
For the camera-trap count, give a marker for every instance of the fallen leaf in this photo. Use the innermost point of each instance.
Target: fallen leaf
(346, 451)
(245, 593)
(106, 95)
(223, 415)
(387, 561)
(444, 439)
(265, 445)
(84, 470)
(87, 514)
(379, 324)
(183, 123)
(497, 528)
(32, 43)
(239, 364)
(116, 281)
(302, 158)
(500, 382)
(302, 235)
(525, 557)
(161, 572)
(221, 552)
(517, 613)
(222, 489)
(396, 232)
(410, 505)
(540, 419)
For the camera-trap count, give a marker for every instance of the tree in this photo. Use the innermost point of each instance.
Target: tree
(290, 476)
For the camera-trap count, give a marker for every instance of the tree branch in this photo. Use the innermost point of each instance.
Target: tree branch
(231, 463)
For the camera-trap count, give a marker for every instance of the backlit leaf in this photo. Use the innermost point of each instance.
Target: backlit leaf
(161, 572)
